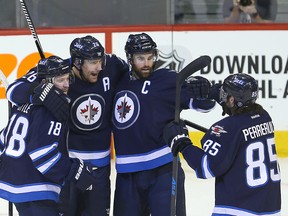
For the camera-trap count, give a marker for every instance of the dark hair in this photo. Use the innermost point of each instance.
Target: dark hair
(252, 108)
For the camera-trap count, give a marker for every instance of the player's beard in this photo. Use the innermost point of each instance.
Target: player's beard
(141, 73)
(90, 76)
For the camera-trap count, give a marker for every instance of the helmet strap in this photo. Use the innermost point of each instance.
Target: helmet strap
(77, 63)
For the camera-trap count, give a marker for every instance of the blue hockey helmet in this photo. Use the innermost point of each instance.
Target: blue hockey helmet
(87, 47)
(242, 87)
(139, 43)
(52, 66)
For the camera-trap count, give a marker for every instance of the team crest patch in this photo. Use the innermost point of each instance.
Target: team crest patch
(87, 111)
(126, 109)
(170, 61)
(217, 130)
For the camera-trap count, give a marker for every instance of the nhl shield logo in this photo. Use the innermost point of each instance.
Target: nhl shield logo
(87, 111)
(170, 61)
(126, 109)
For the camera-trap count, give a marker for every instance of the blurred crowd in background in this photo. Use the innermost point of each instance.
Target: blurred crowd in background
(54, 13)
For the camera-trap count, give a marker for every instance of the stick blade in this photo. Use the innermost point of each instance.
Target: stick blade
(193, 67)
(3, 80)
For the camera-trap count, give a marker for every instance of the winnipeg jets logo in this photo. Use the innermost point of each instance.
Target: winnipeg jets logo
(126, 109)
(87, 111)
(170, 61)
(217, 130)
(123, 108)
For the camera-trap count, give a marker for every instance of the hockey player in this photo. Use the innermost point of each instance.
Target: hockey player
(239, 151)
(35, 163)
(96, 75)
(28, 89)
(143, 105)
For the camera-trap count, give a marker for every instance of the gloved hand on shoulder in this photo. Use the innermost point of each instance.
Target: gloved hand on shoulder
(176, 136)
(53, 99)
(81, 175)
(198, 87)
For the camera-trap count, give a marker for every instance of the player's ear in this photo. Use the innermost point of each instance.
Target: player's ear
(44, 81)
(231, 100)
(77, 63)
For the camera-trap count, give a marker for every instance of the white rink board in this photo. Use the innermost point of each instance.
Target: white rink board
(268, 48)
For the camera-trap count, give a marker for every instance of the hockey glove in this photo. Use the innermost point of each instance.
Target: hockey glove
(176, 136)
(198, 87)
(81, 175)
(214, 92)
(53, 99)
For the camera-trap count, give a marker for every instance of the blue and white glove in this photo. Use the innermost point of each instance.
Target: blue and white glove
(176, 136)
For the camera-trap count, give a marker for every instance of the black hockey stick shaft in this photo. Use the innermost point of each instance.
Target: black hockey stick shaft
(10, 204)
(195, 126)
(191, 68)
(32, 28)
(41, 53)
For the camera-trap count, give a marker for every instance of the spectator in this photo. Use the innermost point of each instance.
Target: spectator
(249, 11)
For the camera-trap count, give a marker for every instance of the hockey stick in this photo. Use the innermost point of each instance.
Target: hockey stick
(191, 68)
(40, 51)
(5, 84)
(196, 126)
(32, 28)
(3, 80)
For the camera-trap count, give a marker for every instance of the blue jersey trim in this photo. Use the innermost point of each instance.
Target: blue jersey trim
(100, 162)
(220, 210)
(96, 158)
(144, 165)
(26, 193)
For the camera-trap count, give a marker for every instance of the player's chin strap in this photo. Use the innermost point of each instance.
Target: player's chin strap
(133, 75)
(77, 71)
